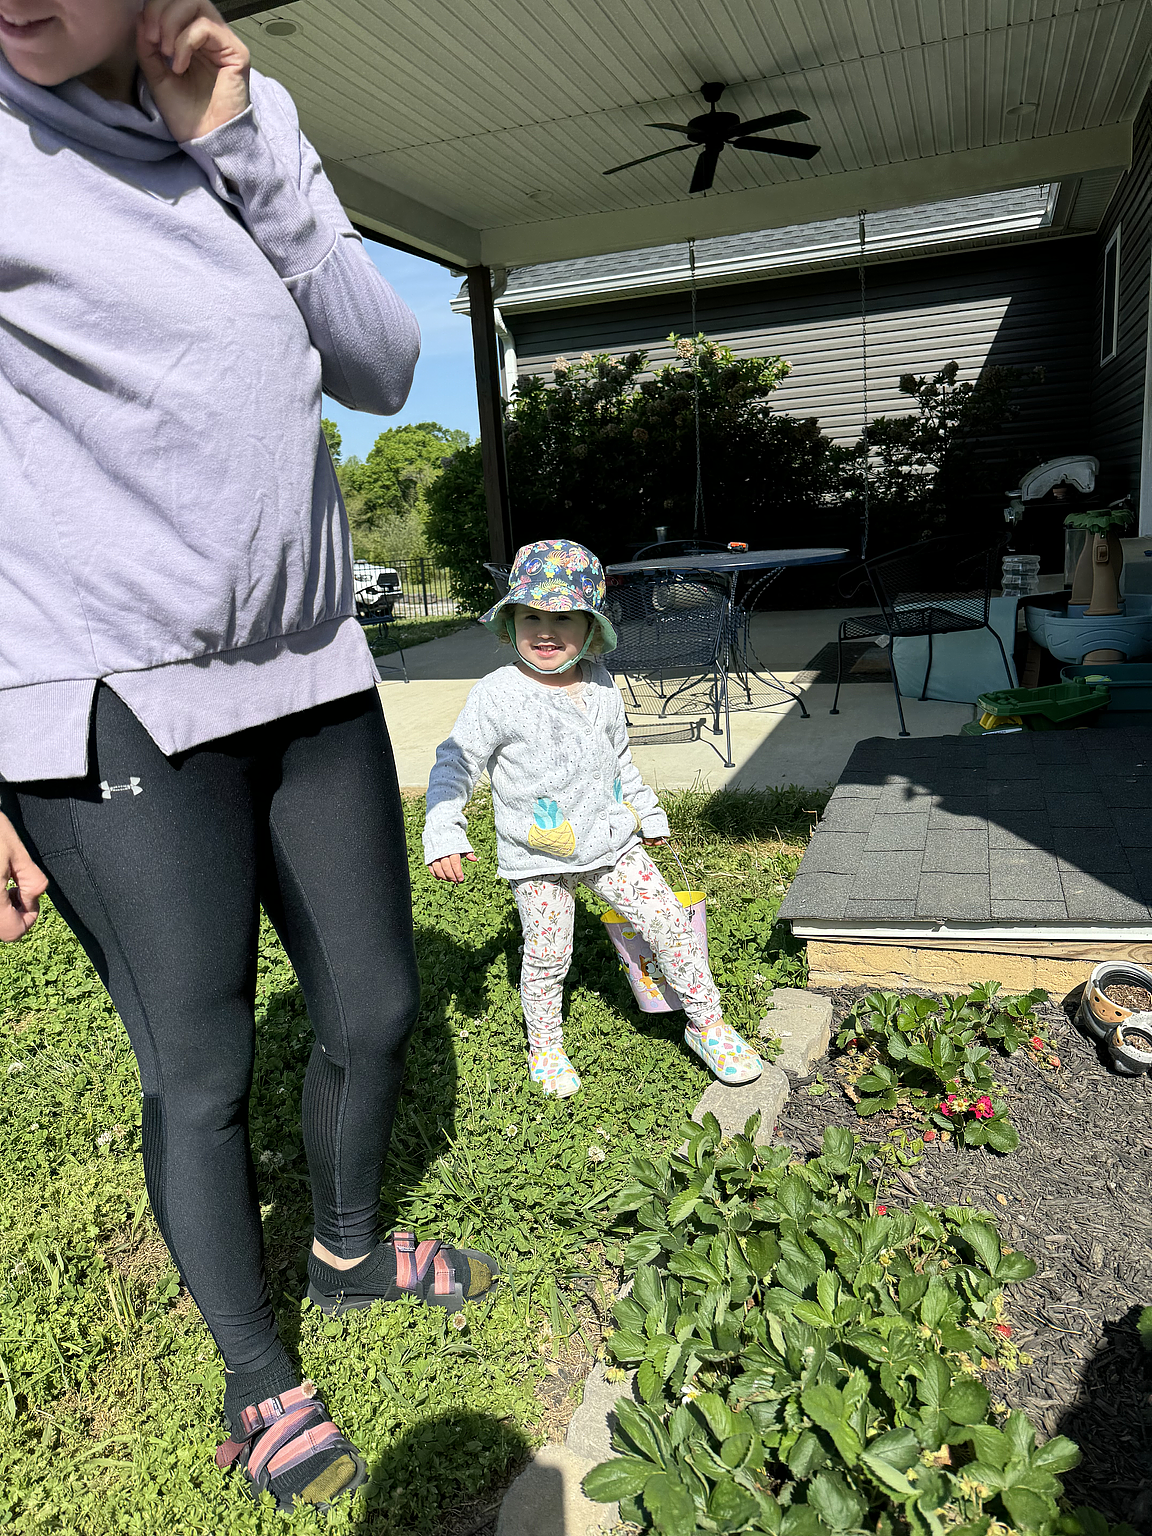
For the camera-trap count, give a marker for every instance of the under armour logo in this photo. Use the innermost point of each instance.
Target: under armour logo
(131, 788)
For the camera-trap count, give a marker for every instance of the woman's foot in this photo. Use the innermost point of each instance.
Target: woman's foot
(550, 1067)
(725, 1053)
(287, 1445)
(399, 1266)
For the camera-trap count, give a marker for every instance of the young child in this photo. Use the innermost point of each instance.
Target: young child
(570, 806)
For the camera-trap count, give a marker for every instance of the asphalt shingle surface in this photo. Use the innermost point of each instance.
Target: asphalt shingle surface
(1036, 827)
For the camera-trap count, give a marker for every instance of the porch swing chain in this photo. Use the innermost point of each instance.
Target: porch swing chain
(699, 522)
(864, 369)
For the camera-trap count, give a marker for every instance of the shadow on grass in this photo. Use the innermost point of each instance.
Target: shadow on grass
(446, 1476)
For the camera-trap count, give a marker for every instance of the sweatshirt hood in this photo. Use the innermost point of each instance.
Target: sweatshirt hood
(75, 112)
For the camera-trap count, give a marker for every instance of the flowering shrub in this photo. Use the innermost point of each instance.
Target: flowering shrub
(934, 1056)
(605, 451)
(807, 1360)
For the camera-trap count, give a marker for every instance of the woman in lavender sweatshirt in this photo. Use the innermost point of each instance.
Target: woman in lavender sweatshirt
(189, 725)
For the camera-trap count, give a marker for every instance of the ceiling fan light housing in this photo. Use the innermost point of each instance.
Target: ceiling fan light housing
(279, 28)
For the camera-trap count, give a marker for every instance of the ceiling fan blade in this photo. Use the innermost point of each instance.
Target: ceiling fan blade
(628, 164)
(778, 147)
(773, 120)
(705, 168)
(673, 127)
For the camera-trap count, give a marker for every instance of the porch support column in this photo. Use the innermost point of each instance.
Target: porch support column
(486, 353)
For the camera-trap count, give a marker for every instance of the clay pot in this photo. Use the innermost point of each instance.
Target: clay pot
(1130, 1046)
(1098, 1015)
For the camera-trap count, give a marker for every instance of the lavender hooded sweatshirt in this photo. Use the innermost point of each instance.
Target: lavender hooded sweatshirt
(170, 520)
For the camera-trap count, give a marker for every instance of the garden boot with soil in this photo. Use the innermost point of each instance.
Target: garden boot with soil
(549, 1066)
(724, 1053)
(400, 1266)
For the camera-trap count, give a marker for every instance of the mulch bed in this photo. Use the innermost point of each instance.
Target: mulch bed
(1076, 1197)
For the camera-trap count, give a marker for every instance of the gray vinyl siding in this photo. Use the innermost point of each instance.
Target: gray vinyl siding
(1018, 305)
(1118, 385)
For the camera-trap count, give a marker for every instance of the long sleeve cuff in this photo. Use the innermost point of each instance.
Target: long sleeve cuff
(238, 160)
(655, 824)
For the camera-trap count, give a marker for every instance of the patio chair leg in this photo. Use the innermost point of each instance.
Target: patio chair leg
(404, 664)
(904, 731)
(927, 669)
(839, 669)
(729, 762)
(1004, 658)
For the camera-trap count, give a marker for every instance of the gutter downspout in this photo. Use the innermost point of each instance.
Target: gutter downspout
(508, 361)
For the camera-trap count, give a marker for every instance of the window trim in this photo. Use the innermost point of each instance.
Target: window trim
(1111, 264)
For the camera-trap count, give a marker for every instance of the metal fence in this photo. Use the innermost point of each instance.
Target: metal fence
(426, 590)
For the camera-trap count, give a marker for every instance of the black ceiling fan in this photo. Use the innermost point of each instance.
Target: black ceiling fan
(712, 130)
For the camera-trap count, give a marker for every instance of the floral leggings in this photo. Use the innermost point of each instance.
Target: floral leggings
(636, 889)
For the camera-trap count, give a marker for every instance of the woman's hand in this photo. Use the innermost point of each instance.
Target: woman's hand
(450, 868)
(19, 901)
(653, 842)
(195, 65)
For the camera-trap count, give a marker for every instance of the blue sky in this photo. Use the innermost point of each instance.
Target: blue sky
(444, 389)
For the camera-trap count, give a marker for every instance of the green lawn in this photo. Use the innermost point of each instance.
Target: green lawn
(386, 639)
(109, 1385)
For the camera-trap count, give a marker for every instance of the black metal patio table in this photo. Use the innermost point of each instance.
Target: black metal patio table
(732, 564)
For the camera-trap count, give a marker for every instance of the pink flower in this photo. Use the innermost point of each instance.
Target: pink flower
(947, 1103)
(982, 1108)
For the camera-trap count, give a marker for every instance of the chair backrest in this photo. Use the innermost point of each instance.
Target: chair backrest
(499, 575)
(665, 625)
(945, 574)
(672, 548)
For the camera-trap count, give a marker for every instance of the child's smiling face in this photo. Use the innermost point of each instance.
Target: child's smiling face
(548, 640)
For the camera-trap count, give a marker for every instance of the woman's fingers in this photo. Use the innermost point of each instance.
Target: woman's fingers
(20, 899)
(162, 21)
(195, 65)
(176, 30)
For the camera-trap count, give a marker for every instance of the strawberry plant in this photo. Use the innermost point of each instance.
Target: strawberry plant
(807, 1361)
(935, 1056)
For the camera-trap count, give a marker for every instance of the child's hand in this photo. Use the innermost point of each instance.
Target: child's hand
(654, 842)
(450, 868)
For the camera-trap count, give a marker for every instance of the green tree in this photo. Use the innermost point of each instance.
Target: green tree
(386, 493)
(948, 457)
(605, 453)
(457, 528)
(332, 436)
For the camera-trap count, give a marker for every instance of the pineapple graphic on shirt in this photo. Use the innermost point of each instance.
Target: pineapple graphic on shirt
(551, 831)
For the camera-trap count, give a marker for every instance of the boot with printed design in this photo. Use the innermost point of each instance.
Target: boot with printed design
(724, 1052)
(549, 1066)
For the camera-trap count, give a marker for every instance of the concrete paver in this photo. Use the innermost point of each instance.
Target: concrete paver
(547, 1499)
(770, 746)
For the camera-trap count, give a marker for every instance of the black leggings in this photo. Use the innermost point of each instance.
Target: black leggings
(159, 866)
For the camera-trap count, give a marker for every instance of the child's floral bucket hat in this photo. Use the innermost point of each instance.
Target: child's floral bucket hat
(557, 576)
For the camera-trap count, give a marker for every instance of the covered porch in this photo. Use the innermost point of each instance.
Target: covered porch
(479, 136)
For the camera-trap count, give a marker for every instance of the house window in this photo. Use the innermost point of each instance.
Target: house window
(1110, 323)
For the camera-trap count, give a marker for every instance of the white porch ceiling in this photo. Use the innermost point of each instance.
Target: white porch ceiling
(477, 130)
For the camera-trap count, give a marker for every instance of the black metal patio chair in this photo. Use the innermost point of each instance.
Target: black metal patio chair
(938, 587)
(499, 575)
(672, 631)
(382, 621)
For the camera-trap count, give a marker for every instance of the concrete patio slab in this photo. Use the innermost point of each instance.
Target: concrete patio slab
(770, 745)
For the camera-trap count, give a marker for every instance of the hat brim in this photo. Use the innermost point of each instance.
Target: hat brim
(553, 603)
